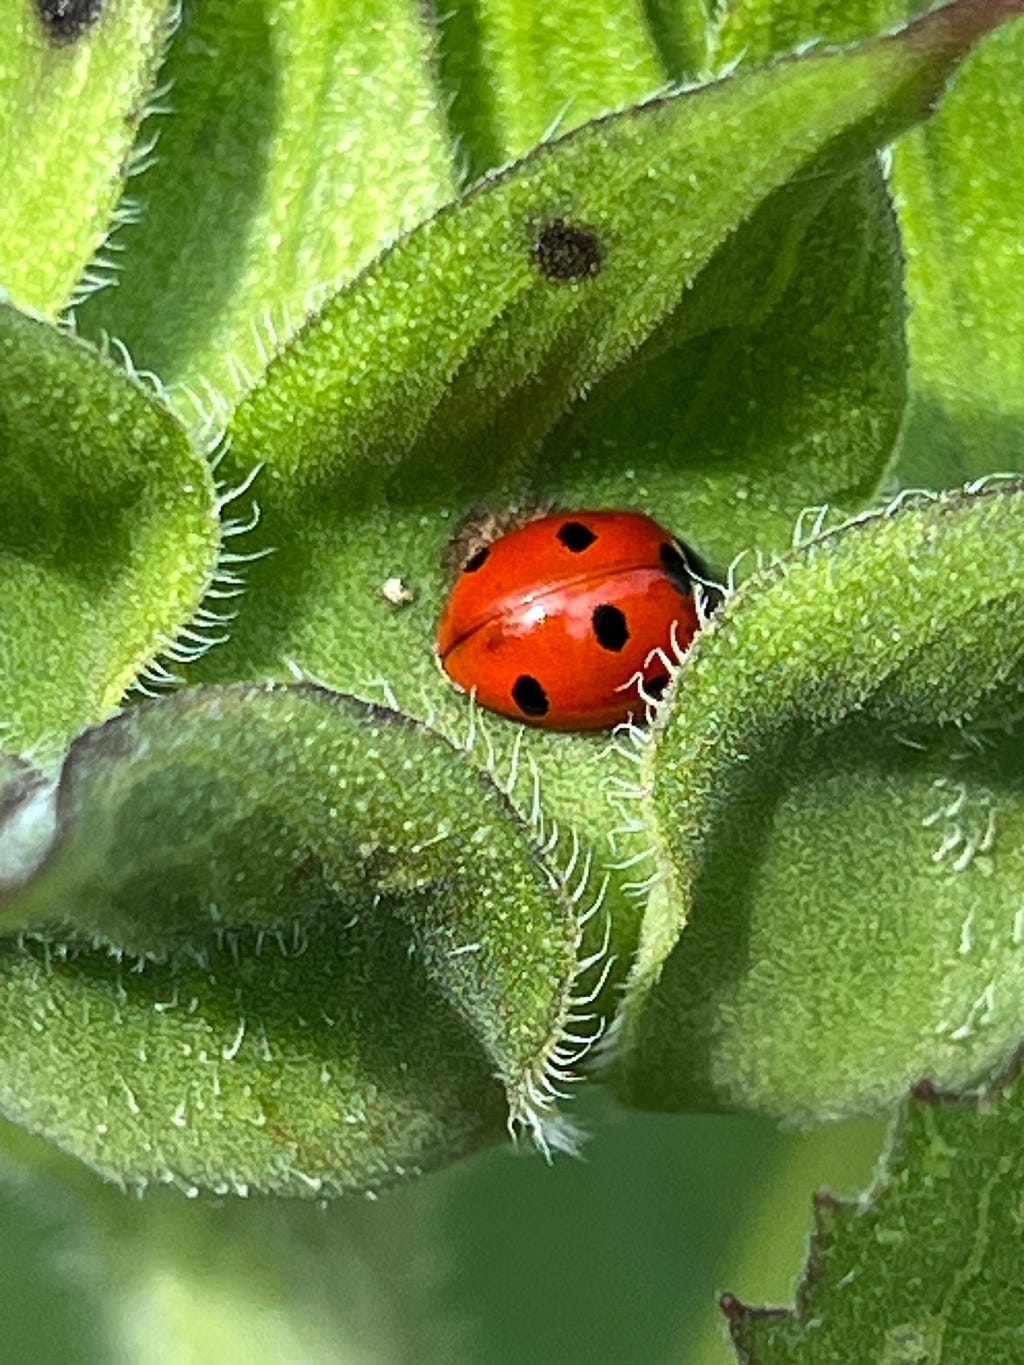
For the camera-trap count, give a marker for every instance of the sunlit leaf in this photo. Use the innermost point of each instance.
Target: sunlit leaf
(959, 195)
(516, 71)
(108, 532)
(276, 944)
(440, 377)
(961, 202)
(74, 85)
(683, 32)
(846, 861)
(300, 138)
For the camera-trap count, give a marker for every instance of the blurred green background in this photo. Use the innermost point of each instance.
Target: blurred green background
(617, 1257)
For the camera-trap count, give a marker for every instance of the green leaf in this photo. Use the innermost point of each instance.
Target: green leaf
(538, 285)
(682, 30)
(72, 98)
(335, 952)
(961, 201)
(515, 71)
(754, 30)
(926, 1269)
(792, 395)
(847, 862)
(301, 138)
(439, 378)
(108, 532)
(768, 1242)
(960, 204)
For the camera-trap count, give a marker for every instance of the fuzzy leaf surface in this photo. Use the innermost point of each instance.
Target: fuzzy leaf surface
(108, 531)
(301, 136)
(71, 101)
(440, 376)
(926, 1269)
(961, 199)
(751, 31)
(329, 953)
(539, 284)
(517, 71)
(958, 189)
(790, 395)
(847, 861)
(683, 31)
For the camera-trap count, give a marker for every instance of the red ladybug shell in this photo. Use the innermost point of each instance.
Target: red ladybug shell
(553, 623)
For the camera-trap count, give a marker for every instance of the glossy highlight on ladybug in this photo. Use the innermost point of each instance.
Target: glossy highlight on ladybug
(569, 622)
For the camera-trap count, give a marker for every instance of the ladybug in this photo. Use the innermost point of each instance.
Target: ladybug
(561, 622)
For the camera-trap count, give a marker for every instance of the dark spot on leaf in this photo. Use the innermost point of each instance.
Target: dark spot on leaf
(655, 687)
(529, 696)
(568, 251)
(66, 20)
(476, 561)
(575, 536)
(610, 626)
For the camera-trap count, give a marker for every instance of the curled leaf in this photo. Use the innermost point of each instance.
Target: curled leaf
(962, 199)
(845, 859)
(691, 238)
(108, 532)
(271, 934)
(76, 81)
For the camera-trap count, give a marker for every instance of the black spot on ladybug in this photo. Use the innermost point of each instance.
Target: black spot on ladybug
(673, 561)
(476, 561)
(568, 251)
(529, 696)
(66, 20)
(610, 627)
(655, 686)
(575, 536)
